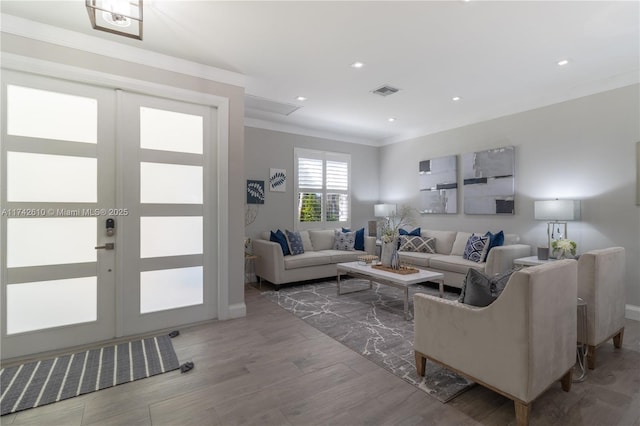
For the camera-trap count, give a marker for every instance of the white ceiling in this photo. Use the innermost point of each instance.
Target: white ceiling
(498, 56)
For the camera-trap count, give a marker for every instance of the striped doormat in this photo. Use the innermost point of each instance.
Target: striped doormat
(43, 382)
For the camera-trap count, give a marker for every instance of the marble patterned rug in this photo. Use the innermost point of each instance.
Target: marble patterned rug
(371, 322)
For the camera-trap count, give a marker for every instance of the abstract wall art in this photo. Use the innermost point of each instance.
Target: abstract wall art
(439, 185)
(489, 184)
(255, 192)
(278, 180)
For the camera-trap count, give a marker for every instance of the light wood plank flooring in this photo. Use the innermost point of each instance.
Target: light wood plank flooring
(271, 368)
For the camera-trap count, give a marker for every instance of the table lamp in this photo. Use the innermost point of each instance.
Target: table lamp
(557, 213)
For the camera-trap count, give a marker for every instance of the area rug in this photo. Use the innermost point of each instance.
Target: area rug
(371, 322)
(42, 382)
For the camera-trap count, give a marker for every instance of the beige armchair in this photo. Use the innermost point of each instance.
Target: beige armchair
(601, 284)
(518, 346)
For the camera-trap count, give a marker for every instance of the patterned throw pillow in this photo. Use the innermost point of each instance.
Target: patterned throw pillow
(476, 248)
(344, 240)
(295, 242)
(417, 244)
(359, 245)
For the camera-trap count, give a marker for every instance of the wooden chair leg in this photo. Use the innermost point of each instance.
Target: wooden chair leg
(565, 381)
(522, 413)
(421, 363)
(617, 339)
(591, 357)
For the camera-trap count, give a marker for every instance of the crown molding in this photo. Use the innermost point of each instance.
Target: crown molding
(49, 34)
(297, 130)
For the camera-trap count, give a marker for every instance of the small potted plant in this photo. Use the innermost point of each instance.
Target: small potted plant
(563, 248)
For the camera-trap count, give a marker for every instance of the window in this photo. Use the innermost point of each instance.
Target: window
(322, 189)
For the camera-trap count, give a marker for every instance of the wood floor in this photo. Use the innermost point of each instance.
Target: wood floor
(271, 368)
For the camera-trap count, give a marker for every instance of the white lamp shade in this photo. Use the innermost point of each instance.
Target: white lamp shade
(384, 210)
(558, 210)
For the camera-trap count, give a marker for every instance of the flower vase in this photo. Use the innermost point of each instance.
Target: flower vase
(388, 249)
(562, 254)
(395, 260)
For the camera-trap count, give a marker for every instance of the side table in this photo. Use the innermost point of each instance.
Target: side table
(581, 344)
(582, 341)
(249, 266)
(531, 261)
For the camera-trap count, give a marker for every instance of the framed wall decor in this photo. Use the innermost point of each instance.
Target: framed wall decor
(489, 183)
(255, 192)
(439, 185)
(278, 180)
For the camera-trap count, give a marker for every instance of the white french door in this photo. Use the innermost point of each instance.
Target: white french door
(167, 249)
(106, 203)
(57, 172)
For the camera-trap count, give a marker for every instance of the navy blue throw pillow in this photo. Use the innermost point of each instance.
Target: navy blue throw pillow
(495, 240)
(414, 233)
(359, 245)
(278, 237)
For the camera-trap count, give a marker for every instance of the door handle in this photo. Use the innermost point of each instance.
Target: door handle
(106, 246)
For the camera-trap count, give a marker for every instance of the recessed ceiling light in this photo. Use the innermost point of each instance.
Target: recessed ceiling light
(357, 64)
(301, 98)
(391, 119)
(456, 98)
(563, 62)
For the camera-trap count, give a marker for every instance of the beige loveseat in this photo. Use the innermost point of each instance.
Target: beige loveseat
(449, 261)
(318, 260)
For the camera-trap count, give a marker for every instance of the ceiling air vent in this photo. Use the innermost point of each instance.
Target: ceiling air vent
(385, 90)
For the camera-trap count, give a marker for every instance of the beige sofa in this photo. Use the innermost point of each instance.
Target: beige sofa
(518, 346)
(449, 261)
(318, 260)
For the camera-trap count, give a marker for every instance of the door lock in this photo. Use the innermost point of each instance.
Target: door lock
(107, 246)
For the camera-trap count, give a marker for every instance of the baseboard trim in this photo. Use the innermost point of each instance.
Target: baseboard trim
(237, 310)
(632, 312)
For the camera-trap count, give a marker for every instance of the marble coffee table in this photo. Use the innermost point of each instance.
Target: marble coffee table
(392, 279)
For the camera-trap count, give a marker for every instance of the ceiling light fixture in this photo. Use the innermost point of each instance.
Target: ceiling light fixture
(301, 98)
(563, 62)
(391, 119)
(456, 98)
(121, 17)
(357, 64)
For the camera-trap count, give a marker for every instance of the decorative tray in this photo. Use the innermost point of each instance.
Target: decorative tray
(404, 270)
(368, 258)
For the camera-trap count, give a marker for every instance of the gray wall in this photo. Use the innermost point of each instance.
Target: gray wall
(265, 149)
(581, 149)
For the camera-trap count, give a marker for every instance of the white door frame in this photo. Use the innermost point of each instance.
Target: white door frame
(21, 63)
